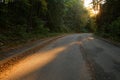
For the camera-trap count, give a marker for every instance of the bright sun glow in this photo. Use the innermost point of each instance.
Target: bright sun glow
(87, 3)
(88, 6)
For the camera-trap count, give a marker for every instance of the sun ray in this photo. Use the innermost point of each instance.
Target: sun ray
(89, 7)
(87, 3)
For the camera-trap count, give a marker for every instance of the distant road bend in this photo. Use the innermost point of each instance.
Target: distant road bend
(73, 57)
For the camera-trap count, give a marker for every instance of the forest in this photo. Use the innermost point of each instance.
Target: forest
(108, 20)
(21, 20)
(26, 19)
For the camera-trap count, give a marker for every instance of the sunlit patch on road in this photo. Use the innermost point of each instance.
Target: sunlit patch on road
(90, 38)
(34, 62)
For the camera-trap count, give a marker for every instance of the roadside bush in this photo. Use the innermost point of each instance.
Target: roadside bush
(39, 27)
(111, 31)
(17, 32)
(114, 30)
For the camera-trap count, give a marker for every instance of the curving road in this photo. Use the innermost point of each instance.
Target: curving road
(73, 57)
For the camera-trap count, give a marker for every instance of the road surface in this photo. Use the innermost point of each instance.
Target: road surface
(73, 57)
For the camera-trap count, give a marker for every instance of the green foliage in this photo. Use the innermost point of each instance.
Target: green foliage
(111, 31)
(55, 15)
(114, 30)
(44, 5)
(76, 17)
(91, 26)
(39, 28)
(23, 19)
(18, 19)
(108, 21)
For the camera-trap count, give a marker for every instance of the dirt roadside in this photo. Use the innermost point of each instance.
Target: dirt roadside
(10, 61)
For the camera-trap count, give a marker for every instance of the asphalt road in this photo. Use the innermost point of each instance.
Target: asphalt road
(73, 57)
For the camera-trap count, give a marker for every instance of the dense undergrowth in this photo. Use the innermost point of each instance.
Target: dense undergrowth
(21, 20)
(108, 20)
(112, 31)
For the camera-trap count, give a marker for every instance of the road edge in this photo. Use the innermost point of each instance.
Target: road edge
(108, 41)
(12, 60)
